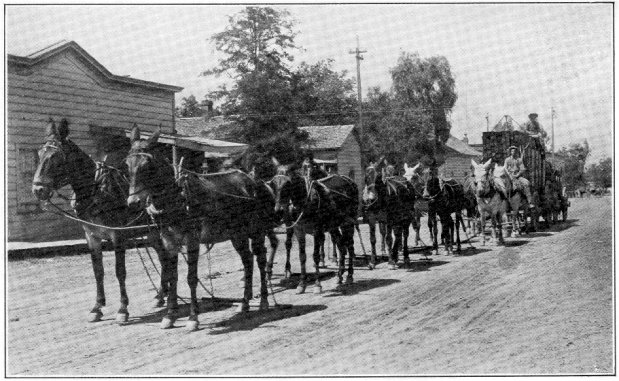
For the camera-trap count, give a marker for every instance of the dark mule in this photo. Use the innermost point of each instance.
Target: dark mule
(200, 208)
(99, 191)
(414, 178)
(491, 198)
(469, 204)
(316, 205)
(373, 213)
(445, 197)
(397, 201)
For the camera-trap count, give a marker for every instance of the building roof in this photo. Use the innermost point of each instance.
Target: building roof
(210, 147)
(327, 137)
(461, 147)
(216, 127)
(63, 46)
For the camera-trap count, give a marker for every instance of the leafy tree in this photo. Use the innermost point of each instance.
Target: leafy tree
(323, 96)
(574, 159)
(602, 173)
(190, 108)
(257, 44)
(409, 123)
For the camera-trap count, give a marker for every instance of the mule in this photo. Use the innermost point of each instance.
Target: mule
(200, 208)
(491, 199)
(469, 204)
(396, 200)
(99, 192)
(445, 197)
(414, 178)
(373, 213)
(316, 205)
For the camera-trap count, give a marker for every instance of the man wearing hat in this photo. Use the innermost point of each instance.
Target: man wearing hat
(515, 167)
(533, 127)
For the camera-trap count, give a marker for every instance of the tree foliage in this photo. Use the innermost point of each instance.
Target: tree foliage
(574, 159)
(410, 123)
(190, 108)
(323, 96)
(601, 174)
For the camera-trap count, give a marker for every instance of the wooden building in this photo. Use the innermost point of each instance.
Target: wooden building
(458, 157)
(64, 81)
(339, 149)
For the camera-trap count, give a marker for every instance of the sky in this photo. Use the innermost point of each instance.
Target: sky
(507, 59)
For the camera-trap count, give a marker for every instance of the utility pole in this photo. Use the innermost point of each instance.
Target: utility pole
(357, 52)
(487, 122)
(552, 126)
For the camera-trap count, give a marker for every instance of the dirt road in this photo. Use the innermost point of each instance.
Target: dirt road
(541, 304)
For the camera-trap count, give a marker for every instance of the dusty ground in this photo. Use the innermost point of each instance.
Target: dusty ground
(542, 304)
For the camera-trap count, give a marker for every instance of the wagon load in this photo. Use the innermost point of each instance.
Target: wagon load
(496, 147)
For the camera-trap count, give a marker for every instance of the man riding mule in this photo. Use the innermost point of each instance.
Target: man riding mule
(516, 169)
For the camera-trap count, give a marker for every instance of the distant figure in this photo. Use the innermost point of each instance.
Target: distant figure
(515, 167)
(533, 127)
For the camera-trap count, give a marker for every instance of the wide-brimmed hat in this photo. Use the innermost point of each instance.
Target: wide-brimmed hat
(533, 115)
(512, 147)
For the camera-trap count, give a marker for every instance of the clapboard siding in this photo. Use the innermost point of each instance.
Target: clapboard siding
(65, 86)
(349, 157)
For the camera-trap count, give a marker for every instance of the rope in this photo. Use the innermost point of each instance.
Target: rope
(296, 222)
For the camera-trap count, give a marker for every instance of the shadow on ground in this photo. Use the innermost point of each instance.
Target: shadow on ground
(357, 286)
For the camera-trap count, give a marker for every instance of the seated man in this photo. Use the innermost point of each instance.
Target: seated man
(515, 167)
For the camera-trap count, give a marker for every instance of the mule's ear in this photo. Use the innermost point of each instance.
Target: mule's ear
(63, 129)
(416, 167)
(486, 164)
(135, 133)
(406, 167)
(275, 162)
(50, 130)
(474, 163)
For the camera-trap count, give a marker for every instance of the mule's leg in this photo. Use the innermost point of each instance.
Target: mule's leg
(433, 231)
(274, 242)
(459, 223)
(393, 260)
(342, 258)
(382, 227)
(416, 222)
(192, 241)
(300, 232)
(259, 251)
(241, 245)
(482, 222)
(397, 242)
(372, 226)
(162, 254)
(319, 241)
(405, 234)
(96, 257)
(290, 232)
(348, 234)
(171, 277)
(122, 316)
(334, 251)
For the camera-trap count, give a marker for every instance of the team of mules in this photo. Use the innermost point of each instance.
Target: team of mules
(175, 208)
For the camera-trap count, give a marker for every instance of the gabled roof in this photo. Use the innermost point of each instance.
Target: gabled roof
(62, 46)
(461, 147)
(327, 137)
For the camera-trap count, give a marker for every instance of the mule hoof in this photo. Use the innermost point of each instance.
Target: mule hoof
(264, 305)
(167, 323)
(242, 284)
(371, 266)
(243, 307)
(393, 266)
(122, 318)
(317, 289)
(94, 317)
(300, 289)
(322, 264)
(192, 325)
(349, 279)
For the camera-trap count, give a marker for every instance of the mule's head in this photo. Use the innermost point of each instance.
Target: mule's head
(146, 171)
(369, 191)
(55, 167)
(431, 183)
(280, 186)
(482, 177)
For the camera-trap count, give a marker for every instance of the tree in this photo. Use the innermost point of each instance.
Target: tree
(257, 44)
(601, 174)
(574, 159)
(409, 123)
(323, 96)
(190, 108)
